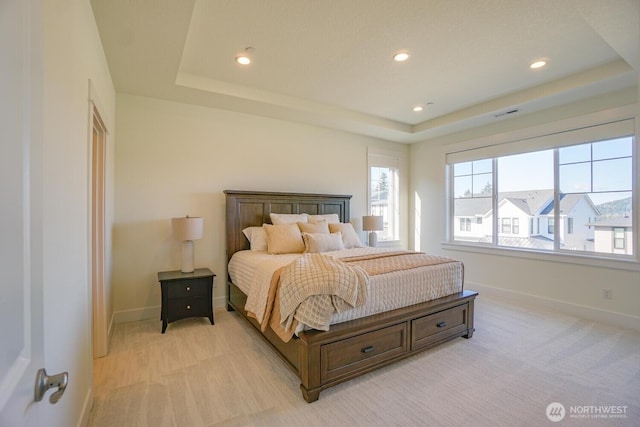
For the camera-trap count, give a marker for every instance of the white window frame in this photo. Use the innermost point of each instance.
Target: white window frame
(525, 140)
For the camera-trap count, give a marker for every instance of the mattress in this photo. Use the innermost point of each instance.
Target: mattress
(251, 272)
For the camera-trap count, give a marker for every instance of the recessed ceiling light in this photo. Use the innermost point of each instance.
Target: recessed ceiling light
(538, 64)
(243, 60)
(401, 56)
(417, 108)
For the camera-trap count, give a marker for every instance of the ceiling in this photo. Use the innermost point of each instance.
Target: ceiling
(329, 62)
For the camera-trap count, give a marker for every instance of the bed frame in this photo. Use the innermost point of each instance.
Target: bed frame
(353, 348)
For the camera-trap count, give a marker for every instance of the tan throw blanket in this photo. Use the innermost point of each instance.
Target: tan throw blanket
(328, 285)
(388, 262)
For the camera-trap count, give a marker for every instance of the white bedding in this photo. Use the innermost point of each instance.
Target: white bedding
(251, 271)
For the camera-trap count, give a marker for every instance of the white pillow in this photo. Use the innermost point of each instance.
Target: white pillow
(321, 242)
(350, 238)
(284, 239)
(278, 219)
(257, 237)
(330, 218)
(318, 227)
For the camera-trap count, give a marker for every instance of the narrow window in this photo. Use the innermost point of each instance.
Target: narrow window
(506, 226)
(618, 238)
(384, 191)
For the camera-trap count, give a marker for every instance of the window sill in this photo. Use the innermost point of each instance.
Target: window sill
(580, 259)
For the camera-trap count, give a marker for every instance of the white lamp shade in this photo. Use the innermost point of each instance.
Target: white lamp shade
(187, 228)
(372, 223)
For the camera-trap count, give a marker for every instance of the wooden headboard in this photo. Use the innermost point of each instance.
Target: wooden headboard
(252, 208)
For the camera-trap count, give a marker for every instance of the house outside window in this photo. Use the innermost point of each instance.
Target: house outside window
(472, 182)
(580, 186)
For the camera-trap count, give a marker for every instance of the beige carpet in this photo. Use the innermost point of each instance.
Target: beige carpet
(520, 360)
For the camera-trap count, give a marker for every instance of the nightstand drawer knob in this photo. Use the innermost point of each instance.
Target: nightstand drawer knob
(188, 307)
(188, 288)
(441, 324)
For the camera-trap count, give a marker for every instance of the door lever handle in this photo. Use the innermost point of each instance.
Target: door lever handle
(44, 382)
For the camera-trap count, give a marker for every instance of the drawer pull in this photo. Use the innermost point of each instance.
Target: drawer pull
(188, 288)
(188, 307)
(368, 349)
(441, 324)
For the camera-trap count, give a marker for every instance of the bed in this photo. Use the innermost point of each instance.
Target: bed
(322, 359)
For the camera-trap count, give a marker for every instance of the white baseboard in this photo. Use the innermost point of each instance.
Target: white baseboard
(136, 314)
(87, 406)
(220, 302)
(582, 311)
(146, 313)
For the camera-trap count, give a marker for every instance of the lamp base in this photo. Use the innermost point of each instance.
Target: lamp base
(373, 239)
(187, 256)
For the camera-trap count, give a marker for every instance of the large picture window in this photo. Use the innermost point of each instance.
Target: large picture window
(574, 191)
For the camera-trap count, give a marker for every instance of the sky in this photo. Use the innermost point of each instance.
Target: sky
(603, 169)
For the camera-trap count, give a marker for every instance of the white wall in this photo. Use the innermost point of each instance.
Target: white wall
(175, 159)
(566, 285)
(72, 55)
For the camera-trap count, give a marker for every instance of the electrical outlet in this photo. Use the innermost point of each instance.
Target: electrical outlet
(607, 294)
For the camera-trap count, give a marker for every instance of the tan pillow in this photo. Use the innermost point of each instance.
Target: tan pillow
(318, 227)
(257, 237)
(330, 218)
(284, 239)
(321, 242)
(350, 238)
(278, 219)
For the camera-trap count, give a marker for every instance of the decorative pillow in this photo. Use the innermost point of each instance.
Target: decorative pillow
(278, 219)
(350, 238)
(321, 242)
(330, 218)
(257, 237)
(318, 227)
(284, 239)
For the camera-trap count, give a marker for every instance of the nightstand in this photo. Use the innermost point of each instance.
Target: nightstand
(186, 295)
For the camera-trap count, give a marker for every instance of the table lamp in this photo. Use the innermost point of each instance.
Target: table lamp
(372, 223)
(187, 230)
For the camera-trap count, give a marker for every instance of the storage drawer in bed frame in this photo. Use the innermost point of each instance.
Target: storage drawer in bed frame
(350, 349)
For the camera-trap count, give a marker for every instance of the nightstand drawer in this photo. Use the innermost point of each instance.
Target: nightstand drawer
(357, 353)
(188, 307)
(189, 288)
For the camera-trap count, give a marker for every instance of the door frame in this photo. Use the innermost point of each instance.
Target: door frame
(97, 262)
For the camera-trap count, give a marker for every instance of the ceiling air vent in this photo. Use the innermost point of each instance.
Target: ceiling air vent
(506, 113)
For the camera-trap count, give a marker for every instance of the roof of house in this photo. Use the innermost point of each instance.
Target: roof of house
(530, 202)
(612, 222)
(534, 242)
(472, 206)
(567, 203)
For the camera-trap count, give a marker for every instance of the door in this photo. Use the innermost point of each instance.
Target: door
(21, 334)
